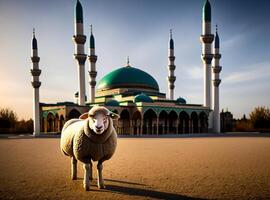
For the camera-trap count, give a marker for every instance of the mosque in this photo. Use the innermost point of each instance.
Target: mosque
(133, 93)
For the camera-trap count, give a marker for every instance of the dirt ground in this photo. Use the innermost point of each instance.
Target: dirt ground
(142, 168)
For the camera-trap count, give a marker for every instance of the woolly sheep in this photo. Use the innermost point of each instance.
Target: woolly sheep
(92, 137)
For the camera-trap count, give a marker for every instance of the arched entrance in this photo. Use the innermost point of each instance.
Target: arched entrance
(73, 114)
(62, 122)
(172, 118)
(194, 123)
(136, 123)
(163, 123)
(183, 122)
(203, 120)
(50, 122)
(150, 122)
(116, 122)
(124, 123)
(56, 123)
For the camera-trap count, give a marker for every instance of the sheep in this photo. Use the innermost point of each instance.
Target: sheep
(92, 137)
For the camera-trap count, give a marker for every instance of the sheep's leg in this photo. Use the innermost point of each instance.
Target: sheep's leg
(73, 168)
(91, 172)
(86, 181)
(100, 181)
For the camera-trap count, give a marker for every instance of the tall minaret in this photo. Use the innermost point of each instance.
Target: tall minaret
(171, 67)
(92, 67)
(207, 56)
(216, 81)
(35, 71)
(79, 38)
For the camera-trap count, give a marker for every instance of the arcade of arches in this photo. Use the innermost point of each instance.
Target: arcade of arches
(138, 123)
(54, 122)
(152, 123)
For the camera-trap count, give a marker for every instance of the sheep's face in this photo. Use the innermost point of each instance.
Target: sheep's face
(99, 123)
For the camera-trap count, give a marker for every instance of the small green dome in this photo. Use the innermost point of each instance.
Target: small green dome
(128, 77)
(79, 12)
(207, 11)
(181, 100)
(112, 102)
(142, 98)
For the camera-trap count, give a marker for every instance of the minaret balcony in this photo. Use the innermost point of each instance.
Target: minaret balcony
(81, 58)
(93, 83)
(217, 69)
(207, 58)
(171, 67)
(171, 87)
(92, 58)
(216, 82)
(172, 58)
(171, 79)
(217, 56)
(36, 84)
(35, 59)
(93, 73)
(207, 38)
(79, 39)
(35, 72)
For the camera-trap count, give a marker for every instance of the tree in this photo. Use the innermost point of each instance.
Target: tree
(260, 117)
(8, 118)
(24, 126)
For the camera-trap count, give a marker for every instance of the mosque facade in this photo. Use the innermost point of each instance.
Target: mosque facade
(133, 93)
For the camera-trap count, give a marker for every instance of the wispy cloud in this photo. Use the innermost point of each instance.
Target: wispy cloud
(194, 72)
(254, 72)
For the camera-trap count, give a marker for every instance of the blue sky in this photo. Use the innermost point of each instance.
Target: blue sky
(138, 29)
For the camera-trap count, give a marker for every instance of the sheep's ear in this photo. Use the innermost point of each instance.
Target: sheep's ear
(84, 116)
(114, 115)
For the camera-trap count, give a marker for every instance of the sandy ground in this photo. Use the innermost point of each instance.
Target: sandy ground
(142, 168)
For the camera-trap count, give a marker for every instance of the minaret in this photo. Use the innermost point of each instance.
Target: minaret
(92, 67)
(216, 81)
(207, 56)
(35, 71)
(79, 38)
(171, 67)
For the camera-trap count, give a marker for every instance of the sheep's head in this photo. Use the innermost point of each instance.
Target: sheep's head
(99, 119)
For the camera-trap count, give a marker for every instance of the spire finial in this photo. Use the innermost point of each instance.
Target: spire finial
(34, 32)
(216, 28)
(91, 29)
(128, 61)
(170, 33)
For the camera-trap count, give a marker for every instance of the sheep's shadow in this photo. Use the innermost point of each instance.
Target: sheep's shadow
(135, 189)
(146, 193)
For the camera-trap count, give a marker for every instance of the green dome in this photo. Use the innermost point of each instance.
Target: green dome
(142, 98)
(128, 77)
(112, 102)
(181, 101)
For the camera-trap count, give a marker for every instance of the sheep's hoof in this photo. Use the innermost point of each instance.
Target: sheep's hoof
(102, 186)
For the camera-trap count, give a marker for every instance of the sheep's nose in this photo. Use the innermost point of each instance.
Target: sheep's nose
(98, 127)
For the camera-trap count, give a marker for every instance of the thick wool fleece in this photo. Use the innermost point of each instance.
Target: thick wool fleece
(80, 141)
